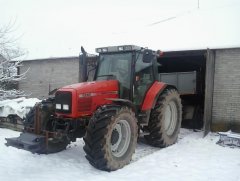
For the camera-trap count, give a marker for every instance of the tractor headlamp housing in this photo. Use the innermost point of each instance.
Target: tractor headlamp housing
(102, 50)
(117, 48)
(121, 48)
(129, 47)
(98, 50)
(63, 102)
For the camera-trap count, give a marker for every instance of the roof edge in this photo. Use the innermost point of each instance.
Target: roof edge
(50, 58)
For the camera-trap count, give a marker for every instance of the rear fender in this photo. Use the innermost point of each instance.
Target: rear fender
(152, 94)
(150, 100)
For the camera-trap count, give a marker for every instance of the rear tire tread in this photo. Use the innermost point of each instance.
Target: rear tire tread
(157, 135)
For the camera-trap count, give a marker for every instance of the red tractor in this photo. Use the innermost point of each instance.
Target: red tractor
(124, 99)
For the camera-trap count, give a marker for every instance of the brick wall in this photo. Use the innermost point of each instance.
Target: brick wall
(45, 74)
(226, 94)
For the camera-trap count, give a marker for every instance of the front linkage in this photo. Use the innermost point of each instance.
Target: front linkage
(39, 135)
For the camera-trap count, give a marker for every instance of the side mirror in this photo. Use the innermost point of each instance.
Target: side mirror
(148, 56)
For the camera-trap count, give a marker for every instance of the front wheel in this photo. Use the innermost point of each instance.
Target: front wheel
(165, 120)
(111, 137)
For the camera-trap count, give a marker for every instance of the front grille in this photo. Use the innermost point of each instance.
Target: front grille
(63, 98)
(84, 104)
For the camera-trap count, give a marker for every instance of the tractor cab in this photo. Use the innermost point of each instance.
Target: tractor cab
(131, 65)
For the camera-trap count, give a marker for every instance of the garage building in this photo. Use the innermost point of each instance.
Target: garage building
(219, 82)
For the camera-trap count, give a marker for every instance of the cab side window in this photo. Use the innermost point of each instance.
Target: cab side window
(144, 79)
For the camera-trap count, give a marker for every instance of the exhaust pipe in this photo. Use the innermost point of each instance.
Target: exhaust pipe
(83, 63)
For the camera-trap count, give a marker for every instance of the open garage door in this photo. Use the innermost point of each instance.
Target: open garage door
(189, 68)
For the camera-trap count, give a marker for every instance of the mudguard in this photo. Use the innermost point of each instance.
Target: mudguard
(152, 95)
(123, 102)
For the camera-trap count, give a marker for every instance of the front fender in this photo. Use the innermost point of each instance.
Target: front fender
(123, 102)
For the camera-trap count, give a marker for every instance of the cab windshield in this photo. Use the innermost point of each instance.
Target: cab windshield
(116, 66)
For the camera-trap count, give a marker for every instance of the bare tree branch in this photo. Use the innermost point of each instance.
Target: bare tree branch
(9, 62)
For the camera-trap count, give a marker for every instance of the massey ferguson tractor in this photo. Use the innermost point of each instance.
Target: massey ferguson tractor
(124, 100)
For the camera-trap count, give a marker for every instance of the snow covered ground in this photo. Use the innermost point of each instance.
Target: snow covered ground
(192, 158)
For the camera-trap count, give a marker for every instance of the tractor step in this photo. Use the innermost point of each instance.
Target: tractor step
(28, 141)
(230, 139)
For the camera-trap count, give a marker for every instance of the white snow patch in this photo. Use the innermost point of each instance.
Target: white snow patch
(192, 158)
(157, 24)
(19, 106)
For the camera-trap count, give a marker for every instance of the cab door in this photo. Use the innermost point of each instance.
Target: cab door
(144, 78)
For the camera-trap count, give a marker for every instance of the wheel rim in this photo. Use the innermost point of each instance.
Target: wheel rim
(170, 120)
(120, 138)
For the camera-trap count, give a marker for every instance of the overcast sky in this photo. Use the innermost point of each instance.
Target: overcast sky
(54, 28)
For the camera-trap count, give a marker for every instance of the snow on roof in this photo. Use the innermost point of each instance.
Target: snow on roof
(175, 25)
(196, 29)
(52, 58)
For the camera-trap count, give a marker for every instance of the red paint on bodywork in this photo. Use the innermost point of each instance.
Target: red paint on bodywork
(152, 94)
(88, 96)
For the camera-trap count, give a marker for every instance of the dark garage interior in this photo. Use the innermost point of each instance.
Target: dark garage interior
(193, 102)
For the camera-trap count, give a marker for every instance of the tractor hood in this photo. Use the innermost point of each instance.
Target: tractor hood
(84, 98)
(93, 87)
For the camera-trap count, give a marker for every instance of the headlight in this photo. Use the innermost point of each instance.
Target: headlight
(65, 107)
(58, 106)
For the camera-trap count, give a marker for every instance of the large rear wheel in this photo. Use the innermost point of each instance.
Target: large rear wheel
(111, 137)
(165, 120)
